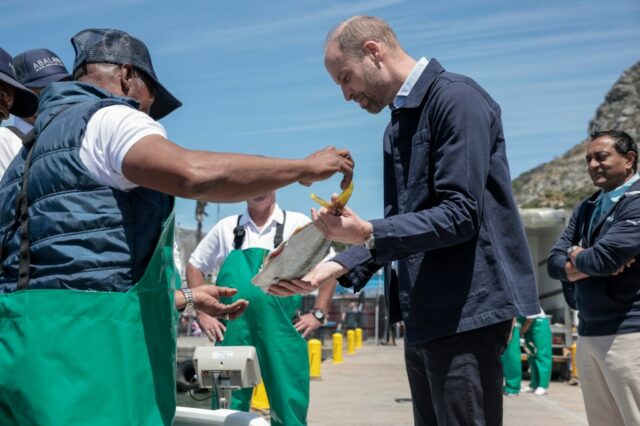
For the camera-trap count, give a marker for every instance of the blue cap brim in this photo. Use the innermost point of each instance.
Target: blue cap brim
(44, 81)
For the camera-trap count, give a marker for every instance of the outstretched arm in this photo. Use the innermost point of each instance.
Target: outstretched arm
(206, 299)
(155, 162)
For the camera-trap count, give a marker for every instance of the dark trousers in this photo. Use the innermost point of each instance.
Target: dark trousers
(457, 380)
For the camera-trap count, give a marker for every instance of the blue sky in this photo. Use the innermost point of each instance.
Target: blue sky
(251, 75)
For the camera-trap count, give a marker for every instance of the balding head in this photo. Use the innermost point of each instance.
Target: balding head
(364, 58)
(350, 35)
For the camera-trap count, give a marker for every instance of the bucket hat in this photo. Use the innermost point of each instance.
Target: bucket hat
(25, 102)
(117, 47)
(38, 67)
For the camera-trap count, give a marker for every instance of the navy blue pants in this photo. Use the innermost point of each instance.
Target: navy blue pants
(457, 380)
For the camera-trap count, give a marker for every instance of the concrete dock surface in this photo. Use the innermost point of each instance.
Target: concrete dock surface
(370, 388)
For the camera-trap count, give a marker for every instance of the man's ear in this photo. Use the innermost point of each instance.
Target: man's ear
(631, 158)
(126, 78)
(373, 49)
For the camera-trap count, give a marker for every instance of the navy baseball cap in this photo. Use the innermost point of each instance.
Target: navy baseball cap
(117, 47)
(25, 102)
(38, 67)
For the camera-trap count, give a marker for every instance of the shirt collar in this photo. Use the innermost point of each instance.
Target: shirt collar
(615, 194)
(22, 125)
(404, 91)
(277, 216)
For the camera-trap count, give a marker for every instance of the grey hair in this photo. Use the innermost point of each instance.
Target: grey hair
(351, 34)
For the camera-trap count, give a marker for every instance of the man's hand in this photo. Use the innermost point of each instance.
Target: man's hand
(574, 254)
(213, 328)
(573, 273)
(324, 163)
(346, 228)
(306, 324)
(206, 299)
(623, 267)
(322, 274)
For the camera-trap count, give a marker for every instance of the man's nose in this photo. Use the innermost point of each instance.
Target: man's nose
(346, 92)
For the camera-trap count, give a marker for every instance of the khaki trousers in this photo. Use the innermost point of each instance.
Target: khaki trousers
(609, 368)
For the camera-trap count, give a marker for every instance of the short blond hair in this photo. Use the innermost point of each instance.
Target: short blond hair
(351, 34)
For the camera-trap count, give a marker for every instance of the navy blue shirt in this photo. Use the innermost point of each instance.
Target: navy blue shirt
(450, 217)
(606, 304)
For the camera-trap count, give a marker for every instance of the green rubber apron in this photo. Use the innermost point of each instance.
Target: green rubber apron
(70, 357)
(267, 325)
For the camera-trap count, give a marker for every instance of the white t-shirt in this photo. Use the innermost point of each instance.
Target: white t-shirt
(10, 145)
(218, 243)
(110, 134)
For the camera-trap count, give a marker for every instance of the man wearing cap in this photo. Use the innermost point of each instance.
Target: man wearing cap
(87, 273)
(35, 69)
(14, 99)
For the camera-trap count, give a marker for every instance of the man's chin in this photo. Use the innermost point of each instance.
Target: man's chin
(372, 109)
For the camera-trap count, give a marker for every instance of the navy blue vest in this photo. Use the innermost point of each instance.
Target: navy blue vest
(83, 235)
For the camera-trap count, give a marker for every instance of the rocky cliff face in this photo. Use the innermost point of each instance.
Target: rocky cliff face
(564, 181)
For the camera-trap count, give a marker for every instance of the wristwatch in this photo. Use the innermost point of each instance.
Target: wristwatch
(188, 297)
(318, 314)
(370, 242)
(571, 249)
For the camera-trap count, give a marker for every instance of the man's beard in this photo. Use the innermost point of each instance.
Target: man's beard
(374, 90)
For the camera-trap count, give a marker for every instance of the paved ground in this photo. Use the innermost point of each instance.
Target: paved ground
(370, 388)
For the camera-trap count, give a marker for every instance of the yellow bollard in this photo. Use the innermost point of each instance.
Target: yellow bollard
(337, 348)
(351, 342)
(259, 399)
(358, 338)
(315, 358)
(574, 364)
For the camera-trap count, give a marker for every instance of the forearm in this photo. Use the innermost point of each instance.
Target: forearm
(359, 267)
(195, 278)
(157, 163)
(325, 296)
(179, 300)
(221, 177)
(447, 225)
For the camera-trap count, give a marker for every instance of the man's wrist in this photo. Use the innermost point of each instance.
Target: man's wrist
(369, 240)
(337, 269)
(189, 300)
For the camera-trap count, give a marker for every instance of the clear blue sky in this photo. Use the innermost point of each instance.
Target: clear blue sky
(251, 75)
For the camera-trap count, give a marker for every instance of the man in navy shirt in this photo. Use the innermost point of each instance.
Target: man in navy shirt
(595, 258)
(451, 223)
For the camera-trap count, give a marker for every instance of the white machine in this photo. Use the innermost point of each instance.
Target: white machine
(226, 368)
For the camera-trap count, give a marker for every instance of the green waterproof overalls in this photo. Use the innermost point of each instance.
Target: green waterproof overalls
(267, 325)
(538, 340)
(71, 357)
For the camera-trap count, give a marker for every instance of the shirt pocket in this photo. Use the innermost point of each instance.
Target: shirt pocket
(419, 161)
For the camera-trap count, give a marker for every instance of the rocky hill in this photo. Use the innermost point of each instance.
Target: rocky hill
(564, 181)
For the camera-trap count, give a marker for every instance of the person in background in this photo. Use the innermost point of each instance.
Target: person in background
(15, 99)
(87, 271)
(539, 347)
(350, 317)
(596, 260)
(512, 362)
(236, 246)
(536, 331)
(451, 222)
(35, 69)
